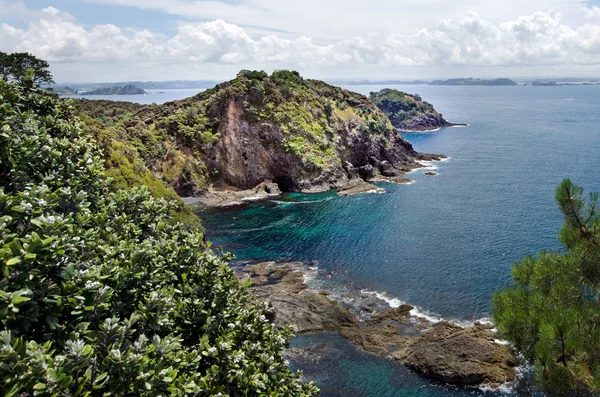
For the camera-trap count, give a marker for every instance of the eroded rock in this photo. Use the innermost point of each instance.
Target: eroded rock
(466, 356)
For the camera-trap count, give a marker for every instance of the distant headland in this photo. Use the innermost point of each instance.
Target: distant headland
(116, 90)
(471, 81)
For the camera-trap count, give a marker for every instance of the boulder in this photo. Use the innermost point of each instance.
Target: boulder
(465, 356)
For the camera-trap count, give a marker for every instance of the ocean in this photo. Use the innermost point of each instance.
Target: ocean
(443, 244)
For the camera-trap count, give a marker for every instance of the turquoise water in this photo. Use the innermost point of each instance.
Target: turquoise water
(447, 242)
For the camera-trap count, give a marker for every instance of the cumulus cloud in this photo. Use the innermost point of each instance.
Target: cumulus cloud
(537, 39)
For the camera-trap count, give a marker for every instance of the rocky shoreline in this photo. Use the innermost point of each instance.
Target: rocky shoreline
(226, 196)
(442, 350)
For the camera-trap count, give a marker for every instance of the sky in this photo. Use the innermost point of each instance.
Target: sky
(158, 40)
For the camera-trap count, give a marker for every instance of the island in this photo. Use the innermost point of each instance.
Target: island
(409, 112)
(117, 90)
(472, 81)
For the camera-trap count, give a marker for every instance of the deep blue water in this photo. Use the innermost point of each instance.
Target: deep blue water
(447, 242)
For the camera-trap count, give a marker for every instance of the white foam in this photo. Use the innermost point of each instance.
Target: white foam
(429, 165)
(232, 204)
(258, 197)
(394, 302)
(375, 191)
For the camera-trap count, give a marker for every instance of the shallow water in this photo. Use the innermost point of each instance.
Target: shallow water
(446, 242)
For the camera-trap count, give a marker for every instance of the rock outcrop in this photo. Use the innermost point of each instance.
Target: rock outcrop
(467, 356)
(443, 351)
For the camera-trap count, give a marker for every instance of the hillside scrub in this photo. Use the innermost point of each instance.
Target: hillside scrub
(100, 293)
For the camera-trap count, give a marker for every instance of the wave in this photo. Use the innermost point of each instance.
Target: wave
(394, 302)
(280, 202)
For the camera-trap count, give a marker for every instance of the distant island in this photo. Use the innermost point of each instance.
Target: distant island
(64, 90)
(117, 90)
(409, 112)
(471, 81)
(538, 83)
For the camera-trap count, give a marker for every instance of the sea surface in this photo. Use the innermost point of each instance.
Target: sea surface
(444, 243)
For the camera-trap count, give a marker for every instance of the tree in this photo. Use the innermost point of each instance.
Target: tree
(551, 313)
(19, 65)
(99, 293)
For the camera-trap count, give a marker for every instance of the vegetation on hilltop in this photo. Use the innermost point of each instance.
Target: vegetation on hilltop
(399, 106)
(99, 293)
(408, 112)
(551, 313)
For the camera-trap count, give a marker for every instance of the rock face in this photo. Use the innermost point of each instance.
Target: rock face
(409, 112)
(445, 351)
(467, 356)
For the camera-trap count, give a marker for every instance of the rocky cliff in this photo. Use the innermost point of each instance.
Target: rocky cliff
(409, 112)
(304, 135)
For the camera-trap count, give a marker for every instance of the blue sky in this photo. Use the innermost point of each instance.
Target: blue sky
(107, 40)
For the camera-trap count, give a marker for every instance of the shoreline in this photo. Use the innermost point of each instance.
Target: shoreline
(433, 129)
(473, 355)
(227, 196)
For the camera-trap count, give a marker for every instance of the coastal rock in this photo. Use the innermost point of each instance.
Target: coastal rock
(466, 356)
(397, 314)
(382, 340)
(283, 287)
(358, 186)
(223, 196)
(446, 352)
(431, 173)
(310, 312)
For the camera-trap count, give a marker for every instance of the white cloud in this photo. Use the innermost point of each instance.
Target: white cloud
(540, 39)
(591, 12)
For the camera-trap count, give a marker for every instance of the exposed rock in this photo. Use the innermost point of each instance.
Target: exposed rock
(397, 314)
(228, 196)
(357, 186)
(284, 288)
(382, 340)
(467, 356)
(311, 312)
(431, 173)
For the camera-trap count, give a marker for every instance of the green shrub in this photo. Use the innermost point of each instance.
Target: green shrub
(99, 293)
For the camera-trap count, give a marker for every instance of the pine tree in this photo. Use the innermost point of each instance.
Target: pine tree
(551, 313)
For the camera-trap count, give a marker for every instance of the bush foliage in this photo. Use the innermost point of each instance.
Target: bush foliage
(551, 313)
(99, 293)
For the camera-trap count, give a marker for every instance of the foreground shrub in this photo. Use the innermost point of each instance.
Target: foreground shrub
(99, 293)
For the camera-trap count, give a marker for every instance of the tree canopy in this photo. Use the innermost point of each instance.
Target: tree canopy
(551, 313)
(23, 67)
(99, 293)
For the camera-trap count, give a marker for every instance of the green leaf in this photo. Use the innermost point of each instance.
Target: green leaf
(13, 261)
